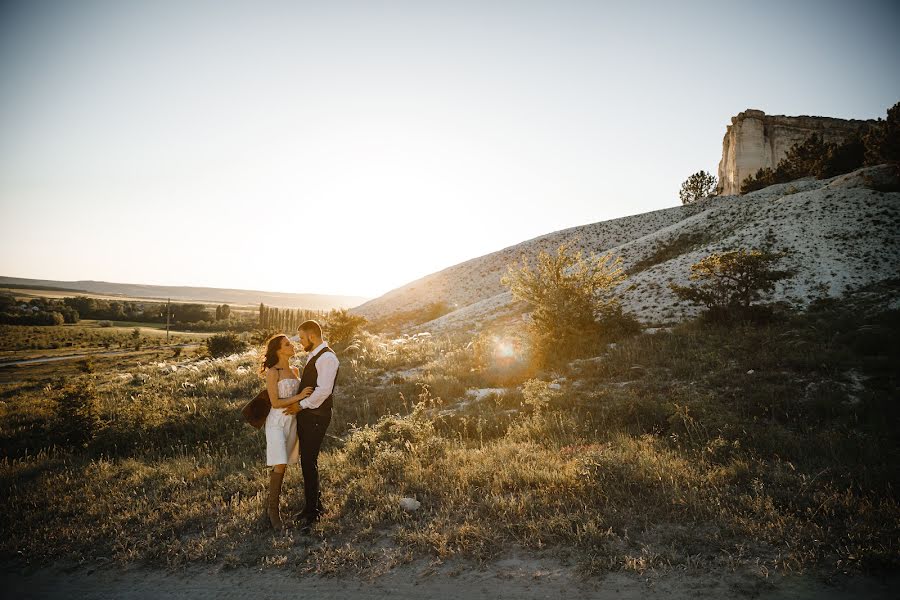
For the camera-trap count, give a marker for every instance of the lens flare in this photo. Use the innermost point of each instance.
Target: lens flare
(504, 349)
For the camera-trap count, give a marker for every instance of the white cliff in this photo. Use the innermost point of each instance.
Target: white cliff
(755, 140)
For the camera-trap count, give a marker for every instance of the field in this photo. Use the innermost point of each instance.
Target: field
(769, 449)
(20, 342)
(23, 293)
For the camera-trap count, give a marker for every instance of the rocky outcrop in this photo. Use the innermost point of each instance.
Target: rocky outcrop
(755, 140)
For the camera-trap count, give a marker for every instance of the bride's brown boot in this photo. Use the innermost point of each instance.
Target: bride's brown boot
(273, 501)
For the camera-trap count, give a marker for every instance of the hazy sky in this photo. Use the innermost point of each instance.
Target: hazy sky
(350, 147)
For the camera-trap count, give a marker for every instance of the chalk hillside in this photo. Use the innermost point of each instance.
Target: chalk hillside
(841, 235)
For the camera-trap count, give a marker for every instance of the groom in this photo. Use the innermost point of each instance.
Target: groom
(314, 413)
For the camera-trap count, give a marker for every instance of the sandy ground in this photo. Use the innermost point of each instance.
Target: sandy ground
(512, 578)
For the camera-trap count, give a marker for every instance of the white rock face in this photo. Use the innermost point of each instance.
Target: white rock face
(755, 140)
(841, 235)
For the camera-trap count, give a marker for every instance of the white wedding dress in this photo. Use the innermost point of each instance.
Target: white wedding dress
(282, 443)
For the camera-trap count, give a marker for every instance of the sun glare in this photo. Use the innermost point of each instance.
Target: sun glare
(506, 351)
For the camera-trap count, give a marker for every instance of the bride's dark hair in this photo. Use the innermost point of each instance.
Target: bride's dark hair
(270, 358)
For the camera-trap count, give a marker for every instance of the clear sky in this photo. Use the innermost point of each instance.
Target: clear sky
(351, 147)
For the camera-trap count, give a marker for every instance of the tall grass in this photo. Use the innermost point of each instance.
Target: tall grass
(704, 446)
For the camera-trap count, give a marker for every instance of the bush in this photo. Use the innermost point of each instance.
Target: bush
(341, 327)
(573, 310)
(729, 282)
(761, 179)
(882, 142)
(77, 414)
(844, 158)
(803, 159)
(224, 344)
(697, 186)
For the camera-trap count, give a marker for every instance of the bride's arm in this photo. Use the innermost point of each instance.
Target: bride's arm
(294, 408)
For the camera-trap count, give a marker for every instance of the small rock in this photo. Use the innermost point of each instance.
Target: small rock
(409, 504)
(750, 372)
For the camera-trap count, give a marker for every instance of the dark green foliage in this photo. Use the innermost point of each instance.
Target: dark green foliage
(77, 414)
(815, 157)
(844, 158)
(341, 327)
(882, 142)
(699, 185)
(224, 344)
(189, 313)
(728, 284)
(803, 159)
(761, 179)
(285, 319)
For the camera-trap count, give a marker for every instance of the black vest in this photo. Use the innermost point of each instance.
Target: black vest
(310, 377)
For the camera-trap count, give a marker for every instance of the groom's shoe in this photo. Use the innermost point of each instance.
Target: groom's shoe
(306, 523)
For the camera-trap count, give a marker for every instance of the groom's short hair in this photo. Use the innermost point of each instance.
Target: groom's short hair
(311, 327)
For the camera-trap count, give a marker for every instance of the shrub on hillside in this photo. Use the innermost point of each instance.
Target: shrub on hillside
(572, 307)
(77, 414)
(341, 327)
(728, 284)
(882, 142)
(803, 159)
(224, 344)
(699, 185)
(842, 158)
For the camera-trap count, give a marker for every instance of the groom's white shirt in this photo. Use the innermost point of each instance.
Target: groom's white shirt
(326, 369)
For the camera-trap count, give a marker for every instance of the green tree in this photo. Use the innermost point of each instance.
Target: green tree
(190, 313)
(761, 179)
(728, 283)
(803, 159)
(699, 185)
(341, 326)
(882, 141)
(571, 301)
(224, 344)
(78, 413)
(842, 158)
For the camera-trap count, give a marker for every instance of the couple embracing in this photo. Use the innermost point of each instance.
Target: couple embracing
(300, 414)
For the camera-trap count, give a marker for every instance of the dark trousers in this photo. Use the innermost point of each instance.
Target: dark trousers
(311, 429)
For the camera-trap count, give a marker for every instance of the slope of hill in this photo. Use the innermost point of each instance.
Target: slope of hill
(183, 293)
(841, 235)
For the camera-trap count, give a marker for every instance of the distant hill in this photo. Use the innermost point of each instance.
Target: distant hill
(184, 294)
(842, 236)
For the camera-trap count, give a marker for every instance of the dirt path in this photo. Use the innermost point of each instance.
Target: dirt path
(50, 359)
(514, 579)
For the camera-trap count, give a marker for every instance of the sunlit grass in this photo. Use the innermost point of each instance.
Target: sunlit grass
(695, 448)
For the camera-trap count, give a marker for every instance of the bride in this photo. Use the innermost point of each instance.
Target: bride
(282, 443)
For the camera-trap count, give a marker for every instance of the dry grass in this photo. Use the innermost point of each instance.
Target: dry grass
(666, 451)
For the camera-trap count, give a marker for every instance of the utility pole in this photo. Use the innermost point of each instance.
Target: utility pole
(167, 319)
